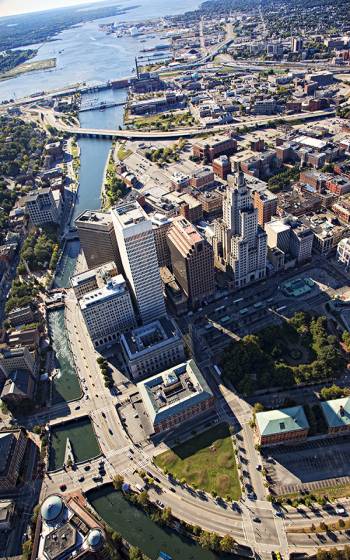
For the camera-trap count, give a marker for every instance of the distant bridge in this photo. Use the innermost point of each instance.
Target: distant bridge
(190, 132)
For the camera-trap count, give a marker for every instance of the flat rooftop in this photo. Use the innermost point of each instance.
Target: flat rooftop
(172, 391)
(115, 286)
(149, 337)
(93, 217)
(60, 541)
(130, 214)
(103, 271)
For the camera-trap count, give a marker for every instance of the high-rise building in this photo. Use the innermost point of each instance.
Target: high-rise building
(97, 238)
(240, 244)
(297, 44)
(266, 204)
(44, 206)
(135, 238)
(161, 225)
(108, 311)
(192, 260)
(278, 234)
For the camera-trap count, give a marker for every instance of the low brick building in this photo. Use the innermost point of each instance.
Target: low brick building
(283, 425)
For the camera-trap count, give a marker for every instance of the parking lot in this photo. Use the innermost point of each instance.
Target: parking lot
(312, 465)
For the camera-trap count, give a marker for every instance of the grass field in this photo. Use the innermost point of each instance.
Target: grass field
(29, 67)
(206, 462)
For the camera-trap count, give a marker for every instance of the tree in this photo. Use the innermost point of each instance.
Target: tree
(346, 340)
(143, 498)
(135, 553)
(227, 543)
(118, 481)
(209, 541)
(341, 523)
(166, 515)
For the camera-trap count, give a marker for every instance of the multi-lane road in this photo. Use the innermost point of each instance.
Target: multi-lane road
(255, 525)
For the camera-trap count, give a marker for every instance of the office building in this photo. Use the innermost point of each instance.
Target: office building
(192, 261)
(240, 244)
(152, 348)
(278, 234)
(135, 237)
(108, 311)
(18, 389)
(266, 204)
(92, 279)
(44, 206)
(97, 238)
(301, 242)
(12, 359)
(161, 225)
(211, 148)
(282, 426)
(176, 396)
(297, 44)
(13, 444)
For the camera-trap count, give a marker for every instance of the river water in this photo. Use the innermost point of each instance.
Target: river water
(87, 54)
(136, 527)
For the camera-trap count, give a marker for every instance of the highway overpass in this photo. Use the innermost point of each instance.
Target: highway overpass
(189, 132)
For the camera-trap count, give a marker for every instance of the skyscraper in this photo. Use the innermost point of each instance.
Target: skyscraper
(192, 260)
(239, 242)
(97, 238)
(135, 239)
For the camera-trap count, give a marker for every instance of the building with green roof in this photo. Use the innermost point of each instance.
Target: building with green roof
(285, 424)
(337, 415)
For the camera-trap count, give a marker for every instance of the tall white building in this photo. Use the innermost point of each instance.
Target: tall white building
(135, 238)
(108, 311)
(240, 244)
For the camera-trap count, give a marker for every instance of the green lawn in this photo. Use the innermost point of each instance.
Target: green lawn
(206, 462)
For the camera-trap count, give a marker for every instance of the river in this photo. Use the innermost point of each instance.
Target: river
(88, 54)
(136, 527)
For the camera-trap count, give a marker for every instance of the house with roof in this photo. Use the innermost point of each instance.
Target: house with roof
(282, 425)
(337, 415)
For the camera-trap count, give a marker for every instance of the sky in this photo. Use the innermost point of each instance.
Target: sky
(11, 7)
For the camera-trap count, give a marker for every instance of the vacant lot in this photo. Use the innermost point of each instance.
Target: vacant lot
(206, 462)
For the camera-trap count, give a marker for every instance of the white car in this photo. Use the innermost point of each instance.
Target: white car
(339, 510)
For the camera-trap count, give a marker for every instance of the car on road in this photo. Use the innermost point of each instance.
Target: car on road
(279, 514)
(77, 408)
(172, 489)
(252, 496)
(339, 510)
(256, 519)
(103, 414)
(63, 487)
(110, 431)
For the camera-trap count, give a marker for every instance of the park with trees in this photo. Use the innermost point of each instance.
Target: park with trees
(301, 350)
